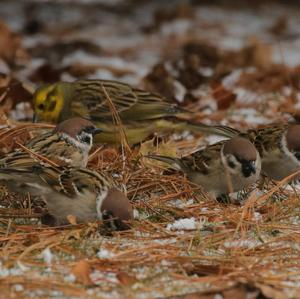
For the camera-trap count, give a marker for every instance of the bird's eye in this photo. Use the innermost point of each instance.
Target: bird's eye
(41, 106)
(231, 164)
(230, 161)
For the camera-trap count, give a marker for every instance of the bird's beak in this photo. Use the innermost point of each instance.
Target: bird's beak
(35, 118)
(97, 131)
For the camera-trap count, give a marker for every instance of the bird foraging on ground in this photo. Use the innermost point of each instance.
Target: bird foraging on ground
(85, 194)
(278, 145)
(142, 113)
(68, 144)
(225, 167)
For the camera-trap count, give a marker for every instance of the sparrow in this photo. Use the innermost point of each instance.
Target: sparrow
(142, 113)
(68, 144)
(221, 168)
(278, 145)
(86, 194)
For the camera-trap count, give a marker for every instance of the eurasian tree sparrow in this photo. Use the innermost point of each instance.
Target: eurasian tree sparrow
(225, 167)
(83, 193)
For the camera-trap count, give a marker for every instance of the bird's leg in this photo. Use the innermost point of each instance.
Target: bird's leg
(223, 198)
(48, 219)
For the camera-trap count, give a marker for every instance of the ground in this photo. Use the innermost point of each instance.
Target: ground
(231, 64)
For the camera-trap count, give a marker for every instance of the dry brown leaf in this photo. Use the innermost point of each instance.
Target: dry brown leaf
(238, 292)
(195, 296)
(72, 219)
(164, 148)
(46, 73)
(280, 26)
(82, 271)
(271, 292)
(160, 81)
(10, 45)
(225, 98)
(12, 92)
(126, 279)
(258, 53)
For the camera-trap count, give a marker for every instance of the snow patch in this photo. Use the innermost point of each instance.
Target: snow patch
(47, 256)
(186, 224)
(104, 254)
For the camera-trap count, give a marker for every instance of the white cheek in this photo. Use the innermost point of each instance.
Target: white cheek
(231, 159)
(99, 201)
(287, 152)
(237, 169)
(258, 164)
(83, 146)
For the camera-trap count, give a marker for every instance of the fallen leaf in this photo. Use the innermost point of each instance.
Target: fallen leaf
(126, 279)
(13, 92)
(10, 45)
(46, 73)
(159, 80)
(225, 98)
(82, 271)
(72, 219)
(271, 292)
(163, 148)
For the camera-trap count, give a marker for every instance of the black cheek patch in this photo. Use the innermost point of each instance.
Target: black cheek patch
(248, 168)
(86, 139)
(297, 155)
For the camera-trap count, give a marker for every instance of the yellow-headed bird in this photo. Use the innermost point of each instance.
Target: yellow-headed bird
(142, 113)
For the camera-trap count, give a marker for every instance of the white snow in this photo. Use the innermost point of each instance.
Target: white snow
(22, 111)
(178, 27)
(18, 287)
(104, 254)
(70, 278)
(186, 224)
(242, 243)
(180, 91)
(47, 256)
(250, 116)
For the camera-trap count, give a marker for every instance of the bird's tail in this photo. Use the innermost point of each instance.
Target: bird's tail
(174, 163)
(13, 171)
(215, 130)
(180, 125)
(15, 174)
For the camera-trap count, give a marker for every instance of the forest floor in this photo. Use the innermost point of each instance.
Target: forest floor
(237, 65)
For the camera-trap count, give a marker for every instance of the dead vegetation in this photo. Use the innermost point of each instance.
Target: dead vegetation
(183, 244)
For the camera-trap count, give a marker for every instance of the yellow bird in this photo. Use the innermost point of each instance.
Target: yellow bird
(141, 113)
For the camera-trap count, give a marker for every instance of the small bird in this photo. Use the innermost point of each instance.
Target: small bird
(80, 192)
(142, 113)
(278, 145)
(67, 145)
(221, 168)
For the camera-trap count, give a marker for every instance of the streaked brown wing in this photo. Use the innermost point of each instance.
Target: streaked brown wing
(52, 177)
(268, 138)
(202, 160)
(56, 149)
(74, 181)
(18, 160)
(90, 96)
